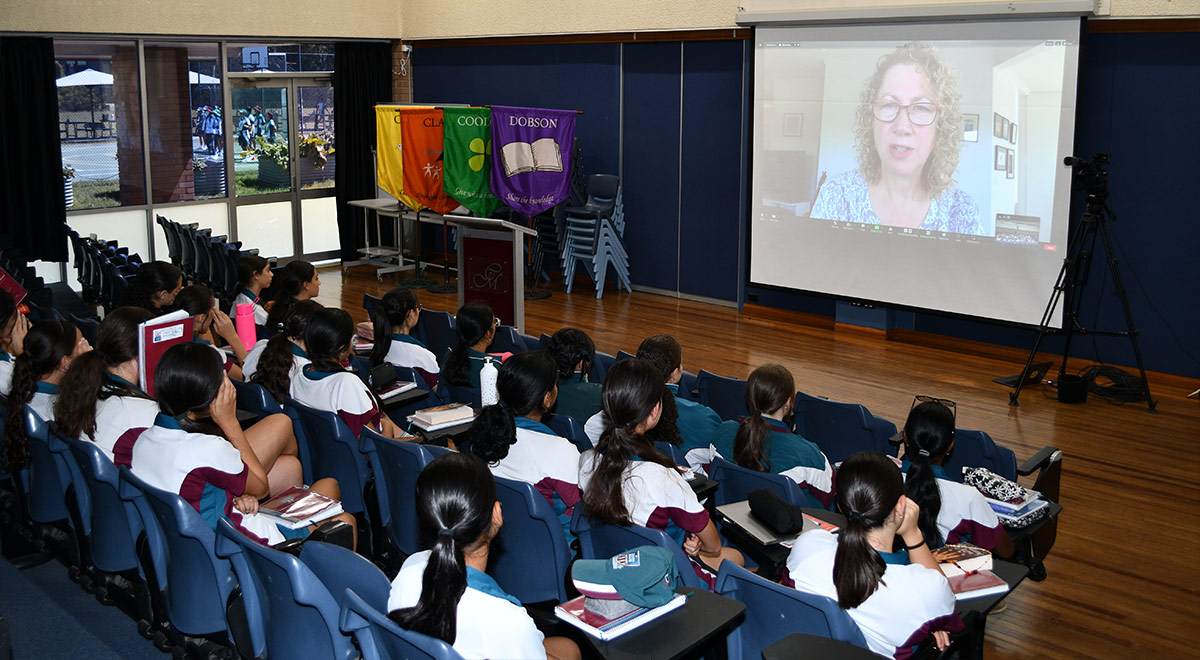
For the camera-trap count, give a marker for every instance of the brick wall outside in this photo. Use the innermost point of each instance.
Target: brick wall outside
(128, 109)
(401, 84)
(167, 98)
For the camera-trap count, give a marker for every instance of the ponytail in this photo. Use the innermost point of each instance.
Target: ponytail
(493, 432)
(857, 568)
(928, 434)
(471, 324)
(570, 347)
(389, 312)
(455, 498)
(85, 382)
(46, 344)
(667, 429)
(869, 486)
(750, 445)
(768, 390)
(285, 287)
(274, 371)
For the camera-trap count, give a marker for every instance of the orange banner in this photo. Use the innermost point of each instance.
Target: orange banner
(421, 129)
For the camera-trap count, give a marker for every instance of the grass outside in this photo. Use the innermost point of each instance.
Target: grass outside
(97, 194)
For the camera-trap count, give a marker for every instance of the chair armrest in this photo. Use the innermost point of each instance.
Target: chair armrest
(1037, 461)
(897, 439)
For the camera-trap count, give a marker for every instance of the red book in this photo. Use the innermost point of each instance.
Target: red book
(974, 584)
(575, 613)
(298, 506)
(155, 337)
(12, 286)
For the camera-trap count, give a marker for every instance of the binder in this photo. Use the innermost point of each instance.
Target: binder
(155, 337)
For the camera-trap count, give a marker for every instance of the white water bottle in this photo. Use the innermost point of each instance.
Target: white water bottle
(488, 393)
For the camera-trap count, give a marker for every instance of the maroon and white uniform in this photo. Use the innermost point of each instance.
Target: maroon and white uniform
(339, 392)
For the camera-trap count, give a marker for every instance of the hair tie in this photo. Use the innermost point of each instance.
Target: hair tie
(279, 328)
(756, 413)
(854, 515)
(445, 533)
(923, 453)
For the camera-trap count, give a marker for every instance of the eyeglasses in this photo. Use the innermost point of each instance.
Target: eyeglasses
(922, 113)
(496, 322)
(921, 398)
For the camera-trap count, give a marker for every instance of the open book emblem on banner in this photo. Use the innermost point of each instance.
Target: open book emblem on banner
(543, 155)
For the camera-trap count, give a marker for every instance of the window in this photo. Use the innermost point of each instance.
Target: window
(186, 121)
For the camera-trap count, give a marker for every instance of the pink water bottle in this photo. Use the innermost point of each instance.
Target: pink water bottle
(244, 323)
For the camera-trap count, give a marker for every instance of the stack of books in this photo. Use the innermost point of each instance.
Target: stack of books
(960, 558)
(299, 507)
(576, 613)
(1018, 513)
(440, 417)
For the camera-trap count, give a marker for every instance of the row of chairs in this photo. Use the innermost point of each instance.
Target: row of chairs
(38, 295)
(103, 268)
(204, 258)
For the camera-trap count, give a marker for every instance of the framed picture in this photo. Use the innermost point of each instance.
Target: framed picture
(997, 125)
(1010, 159)
(970, 128)
(1005, 128)
(1012, 133)
(1001, 159)
(793, 124)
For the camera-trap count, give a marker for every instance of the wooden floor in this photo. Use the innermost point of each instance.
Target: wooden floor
(1124, 576)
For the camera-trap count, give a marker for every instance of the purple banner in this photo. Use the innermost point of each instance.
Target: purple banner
(532, 151)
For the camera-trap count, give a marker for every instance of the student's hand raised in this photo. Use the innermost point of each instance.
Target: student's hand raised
(221, 324)
(20, 329)
(908, 524)
(224, 408)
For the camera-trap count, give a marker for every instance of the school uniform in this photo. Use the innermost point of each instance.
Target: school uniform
(577, 398)
(546, 460)
(965, 514)
(6, 371)
(594, 427)
(788, 454)
(117, 414)
(250, 364)
(697, 423)
(408, 351)
(205, 470)
(910, 602)
(247, 297)
(42, 401)
(340, 392)
(489, 623)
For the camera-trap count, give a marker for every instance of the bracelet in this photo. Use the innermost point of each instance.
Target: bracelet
(915, 545)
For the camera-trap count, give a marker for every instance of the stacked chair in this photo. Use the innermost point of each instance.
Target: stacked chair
(103, 269)
(204, 258)
(592, 234)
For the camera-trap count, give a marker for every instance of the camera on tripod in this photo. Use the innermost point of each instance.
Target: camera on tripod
(1091, 175)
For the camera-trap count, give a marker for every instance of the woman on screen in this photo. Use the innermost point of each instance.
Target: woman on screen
(908, 132)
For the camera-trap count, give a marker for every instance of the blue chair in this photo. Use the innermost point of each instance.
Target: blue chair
(460, 393)
(569, 428)
(842, 429)
(623, 355)
(299, 616)
(507, 340)
(604, 541)
(600, 365)
(977, 449)
(671, 450)
(738, 482)
(396, 466)
(369, 303)
(87, 327)
(687, 386)
(340, 569)
(531, 530)
(436, 330)
(256, 399)
(399, 414)
(115, 524)
(335, 453)
(774, 611)
(48, 476)
(727, 396)
(381, 639)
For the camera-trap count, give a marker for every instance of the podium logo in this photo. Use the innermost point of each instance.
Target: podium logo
(488, 278)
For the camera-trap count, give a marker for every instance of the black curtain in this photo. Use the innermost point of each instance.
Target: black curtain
(362, 77)
(33, 210)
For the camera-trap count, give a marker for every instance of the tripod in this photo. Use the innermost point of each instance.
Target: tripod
(1074, 274)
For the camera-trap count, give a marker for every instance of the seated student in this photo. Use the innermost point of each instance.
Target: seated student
(394, 317)
(210, 323)
(155, 287)
(274, 362)
(13, 327)
(951, 512)
(99, 399)
(444, 592)
(476, 326)
(764, 441)
(897, 598)
(511, 437)
(219, 476)
(625, 480)
(293, 283)
(573, 352)
(254, 275)
(50, 348)
(697, 422)
(325, 384)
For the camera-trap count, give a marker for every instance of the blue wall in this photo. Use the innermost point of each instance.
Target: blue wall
(682, 149)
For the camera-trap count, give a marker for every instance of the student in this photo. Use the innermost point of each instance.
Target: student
(274, 362)
(626, 481)
(444, 592)
(293, 283)
(951, 512)
(897, 598)
(325, 384)
(511, 437)
(394, 318)
(573, 352)
(99, 399)
(50, 348)
(210, 323)
(764, 440)
(219, 476)
(697, 422)
(155, 287)
(476, 326)
(13, 328)
(254, 275)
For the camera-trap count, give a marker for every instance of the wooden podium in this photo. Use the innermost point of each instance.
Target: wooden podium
(491, 266)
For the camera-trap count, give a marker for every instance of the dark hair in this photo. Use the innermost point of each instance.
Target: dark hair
(195, 299)
(152, 277)
(249, 266)
(631, 389)
(8, 308)
(455, 497)
(928, 433)
(869, 485)
(522, 384)
(286, 285)
(663, 352)
(768, 389)
(274, 370)
(84, 383)
(568, 347)
(329, 333)
(390, 312)
(472, 323)
(46, 344)
(667, 428)
(187, 379)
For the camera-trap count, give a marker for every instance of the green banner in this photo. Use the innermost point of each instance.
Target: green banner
(467, 158)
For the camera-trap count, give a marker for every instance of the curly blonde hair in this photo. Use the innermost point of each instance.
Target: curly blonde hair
(939, 169)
